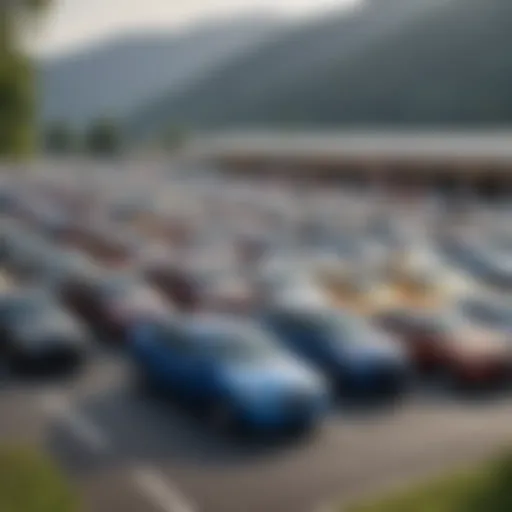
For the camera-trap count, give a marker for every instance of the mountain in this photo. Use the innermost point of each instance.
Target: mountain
(389, 62)
(118, 75)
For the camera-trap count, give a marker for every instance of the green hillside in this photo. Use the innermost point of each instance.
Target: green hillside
(393, 62)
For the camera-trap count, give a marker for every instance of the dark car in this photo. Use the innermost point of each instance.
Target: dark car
(178, 284)
(8, 200)
(37, 334)
(29, 256)
(57, 266)
(103, 243)
(21, 250)
(358, 358)
(108, 303)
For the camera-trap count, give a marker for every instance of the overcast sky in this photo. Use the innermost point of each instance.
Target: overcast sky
(72, 23)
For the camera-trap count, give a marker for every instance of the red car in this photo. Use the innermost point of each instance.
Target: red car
(192, 289)
(105, 244)
(110, 303)
(451, 346)
(180, 286)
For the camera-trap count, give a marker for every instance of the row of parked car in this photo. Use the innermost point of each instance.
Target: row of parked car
(254, 328)
(220, 359)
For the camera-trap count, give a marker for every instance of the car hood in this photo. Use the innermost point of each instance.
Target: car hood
(278, 377)
(502, 262)
(58, 331)
(141, 302)
(373, 349)
(479, 342)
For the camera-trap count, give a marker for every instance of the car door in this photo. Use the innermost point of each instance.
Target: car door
(297, 336)
(425, 345)
(79, 296)
(171, 359)
(5, 335)
(94, 307)
(184, 364)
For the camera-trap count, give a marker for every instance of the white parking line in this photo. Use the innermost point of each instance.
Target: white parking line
(161, 493)
(81, 427)
(326, 507)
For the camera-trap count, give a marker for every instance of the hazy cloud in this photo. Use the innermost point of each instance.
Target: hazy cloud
(75, 22)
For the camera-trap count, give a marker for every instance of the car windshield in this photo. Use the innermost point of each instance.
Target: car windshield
(30, 307)
(332, 325)
(346, 328)
(489, 313)
(442, 324)
(119, 287)
(243, 346)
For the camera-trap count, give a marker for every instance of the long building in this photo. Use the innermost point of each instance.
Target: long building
(480, 161)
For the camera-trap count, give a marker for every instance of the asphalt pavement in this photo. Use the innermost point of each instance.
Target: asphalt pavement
(127, 451)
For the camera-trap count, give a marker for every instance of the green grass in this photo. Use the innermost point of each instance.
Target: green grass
(487, 488)
(29, 482)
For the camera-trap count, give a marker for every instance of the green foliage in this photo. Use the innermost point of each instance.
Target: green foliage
(103, 138)
(17, 84)
(485, 489)
(35, 5)
(31, 483)
(60, 138)
(17, 105)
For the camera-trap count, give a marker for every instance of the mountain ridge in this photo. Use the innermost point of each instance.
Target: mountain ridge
(117, 74)
(393, 62)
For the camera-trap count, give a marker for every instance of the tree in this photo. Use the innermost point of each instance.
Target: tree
(17, 83)
(60, 139)
(16, 106)
(16, 16)
(103, 138)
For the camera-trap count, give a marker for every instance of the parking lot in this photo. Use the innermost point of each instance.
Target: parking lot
(127, 449)
(129, 453)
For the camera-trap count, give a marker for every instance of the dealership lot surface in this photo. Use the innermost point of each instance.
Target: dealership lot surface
(128, 452)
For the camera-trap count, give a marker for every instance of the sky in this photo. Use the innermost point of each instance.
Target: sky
(74, 23)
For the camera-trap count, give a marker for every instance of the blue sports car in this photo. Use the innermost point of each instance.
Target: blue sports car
(232, 370)
(356, 357)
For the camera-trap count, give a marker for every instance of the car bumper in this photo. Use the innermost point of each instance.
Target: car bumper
(285, 417)
(482, 372)
(47, 360)
(384, 380)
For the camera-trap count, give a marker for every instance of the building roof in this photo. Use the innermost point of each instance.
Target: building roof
(493, 147)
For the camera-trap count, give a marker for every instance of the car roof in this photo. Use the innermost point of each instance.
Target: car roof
(500, 301)
(303, 308)
(207, 326)
(26, 292)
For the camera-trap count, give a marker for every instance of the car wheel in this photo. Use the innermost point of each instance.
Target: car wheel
(306, 431)
(17, 362)
(450, 380)
(222, 417)
(143, 384)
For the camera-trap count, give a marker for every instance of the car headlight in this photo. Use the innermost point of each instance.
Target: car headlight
(317, 385)
(396, 353)
(33, 344)
(387, 348)
(249, 394)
